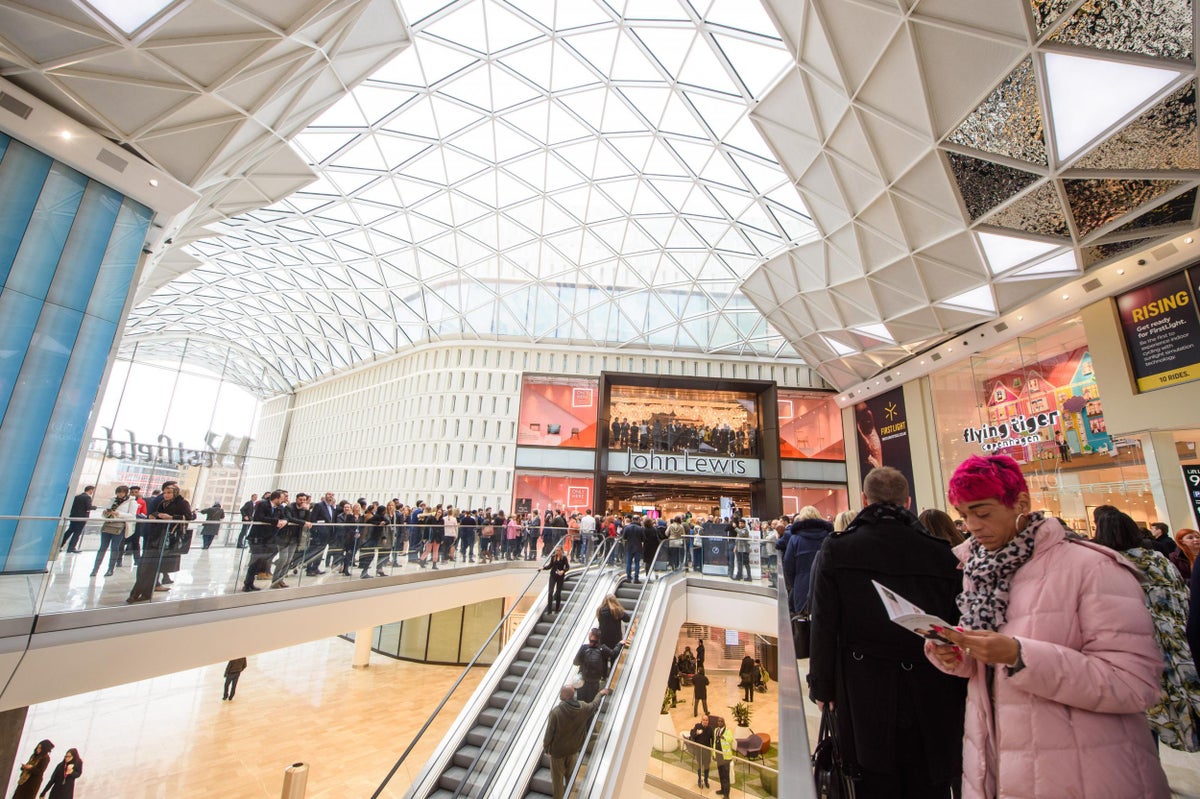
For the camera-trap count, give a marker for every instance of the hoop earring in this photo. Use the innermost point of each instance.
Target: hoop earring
(1022, 520)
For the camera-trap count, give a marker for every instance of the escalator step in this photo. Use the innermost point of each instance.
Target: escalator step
(535, 640)
(509, 683)
(541, 628)
(533, 795)
(541, 782)
(441, 793)
(518, 669)
(452, 777)
(499, 699)
(488, 717)
(477, 735)
(465, 755)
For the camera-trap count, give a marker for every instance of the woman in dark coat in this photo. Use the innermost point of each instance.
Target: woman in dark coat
(32, 771)
(558, 567)
(609, 618)
(62, 781)
(748, 674)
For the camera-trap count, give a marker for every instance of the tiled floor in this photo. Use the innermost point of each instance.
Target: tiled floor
(173, 736)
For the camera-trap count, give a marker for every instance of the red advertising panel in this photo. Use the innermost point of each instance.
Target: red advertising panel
(810, 426)
(541, 491)
(1162, 332)
(558, 412)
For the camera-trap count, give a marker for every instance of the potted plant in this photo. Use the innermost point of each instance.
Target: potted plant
(666, 741)
(741, 720)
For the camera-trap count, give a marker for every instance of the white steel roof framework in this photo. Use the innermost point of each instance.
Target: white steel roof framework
(579, 171)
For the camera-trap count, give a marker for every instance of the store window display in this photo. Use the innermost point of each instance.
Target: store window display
(1036, 400)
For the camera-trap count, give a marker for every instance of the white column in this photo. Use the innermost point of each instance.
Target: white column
(362, 647)
(1166, 479)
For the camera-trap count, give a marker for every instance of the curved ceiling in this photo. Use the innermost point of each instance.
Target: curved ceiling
(576, 172)
(963, 157)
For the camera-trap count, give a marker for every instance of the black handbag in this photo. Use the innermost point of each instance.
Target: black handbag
(830, 774)
(801, 629)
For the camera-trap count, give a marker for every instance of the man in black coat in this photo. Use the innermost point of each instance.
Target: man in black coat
(267, 520)
(81, 509)
(899, 720)
(633, 536)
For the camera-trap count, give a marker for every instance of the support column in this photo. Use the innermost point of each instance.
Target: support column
(12, 725)
(1166, 480)
(362, 647)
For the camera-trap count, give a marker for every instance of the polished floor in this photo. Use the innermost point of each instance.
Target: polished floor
(173, 736)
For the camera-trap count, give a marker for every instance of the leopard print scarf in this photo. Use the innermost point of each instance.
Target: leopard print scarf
(985, 605)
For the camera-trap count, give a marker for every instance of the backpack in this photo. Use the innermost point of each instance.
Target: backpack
(593, 665)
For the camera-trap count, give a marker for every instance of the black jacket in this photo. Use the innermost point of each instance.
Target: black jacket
(82, 505)
(265, 517)
(610, 627)
(634, 536)
(595, 661)
(875, 670)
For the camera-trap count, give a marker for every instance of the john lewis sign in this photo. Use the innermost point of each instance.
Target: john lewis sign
(630, 463)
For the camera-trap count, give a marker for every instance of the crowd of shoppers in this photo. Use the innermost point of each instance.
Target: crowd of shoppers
(664, 434)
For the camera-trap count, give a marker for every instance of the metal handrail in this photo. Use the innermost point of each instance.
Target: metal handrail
(579, 592)
(633, 617)
(466, 670)
(795, 777)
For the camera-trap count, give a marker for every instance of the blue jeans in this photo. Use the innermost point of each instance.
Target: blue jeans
(697, 558)
(109, 541)
(633, 564)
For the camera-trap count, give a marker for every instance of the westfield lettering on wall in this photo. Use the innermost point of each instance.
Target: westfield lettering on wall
(220, 450)
(630, 462)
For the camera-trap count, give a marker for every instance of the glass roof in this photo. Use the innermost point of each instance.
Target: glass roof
(577, 171)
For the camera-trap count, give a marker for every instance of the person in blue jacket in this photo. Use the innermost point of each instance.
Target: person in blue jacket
(808, 532)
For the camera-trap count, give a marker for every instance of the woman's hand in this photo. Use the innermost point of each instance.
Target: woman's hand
(983, 645)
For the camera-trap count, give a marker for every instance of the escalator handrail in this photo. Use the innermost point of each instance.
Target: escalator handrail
(466, 670)
(578, 591)
(795, 776)
(633, 618)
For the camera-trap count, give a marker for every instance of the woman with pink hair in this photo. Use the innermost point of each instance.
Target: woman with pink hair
(1058, 647)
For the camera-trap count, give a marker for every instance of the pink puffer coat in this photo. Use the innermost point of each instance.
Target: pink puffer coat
(1071, 723)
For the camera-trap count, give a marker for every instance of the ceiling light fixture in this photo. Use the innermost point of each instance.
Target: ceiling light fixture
(66, 135)
(154, 182)
(1066, 296)
(1120, 271)
(1188, 240)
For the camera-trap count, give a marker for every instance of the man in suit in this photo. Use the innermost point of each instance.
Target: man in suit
(81, 509)
(267, 521)
(899, 722)
(323, 513)
(289, 539)
(247, 517)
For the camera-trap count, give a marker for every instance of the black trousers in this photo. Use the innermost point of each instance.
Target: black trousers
(723, 773)
(71, 538)
(231, 684)
(555, 595)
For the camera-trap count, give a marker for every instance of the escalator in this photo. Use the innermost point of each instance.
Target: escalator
(471, 750)
(539, 785)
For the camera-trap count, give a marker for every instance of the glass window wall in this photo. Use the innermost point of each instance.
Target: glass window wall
(1037, 400)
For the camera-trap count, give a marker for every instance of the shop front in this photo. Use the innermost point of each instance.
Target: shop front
(1038, 400)
(665, 446)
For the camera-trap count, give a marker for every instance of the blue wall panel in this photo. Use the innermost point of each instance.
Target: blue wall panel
(69, 247)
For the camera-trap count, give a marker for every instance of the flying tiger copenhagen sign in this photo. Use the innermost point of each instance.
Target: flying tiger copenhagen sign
(630, 462)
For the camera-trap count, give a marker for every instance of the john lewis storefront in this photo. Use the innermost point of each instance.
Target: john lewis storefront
(667, 445)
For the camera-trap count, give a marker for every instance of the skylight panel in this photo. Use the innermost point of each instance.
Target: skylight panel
(129, 15)
(750, 17)
(1089, 95)
(758, 66)
(669, 46)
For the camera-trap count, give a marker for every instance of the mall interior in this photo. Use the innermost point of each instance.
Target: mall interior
(654, 257)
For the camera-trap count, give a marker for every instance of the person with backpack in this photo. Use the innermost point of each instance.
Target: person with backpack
(594, 659)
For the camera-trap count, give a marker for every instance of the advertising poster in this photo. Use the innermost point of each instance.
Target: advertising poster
(1162, 332)
(754, 525)
(881, 426)
(1191, 479)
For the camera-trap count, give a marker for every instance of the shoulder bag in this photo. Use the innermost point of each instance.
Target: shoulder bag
(830, 774)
